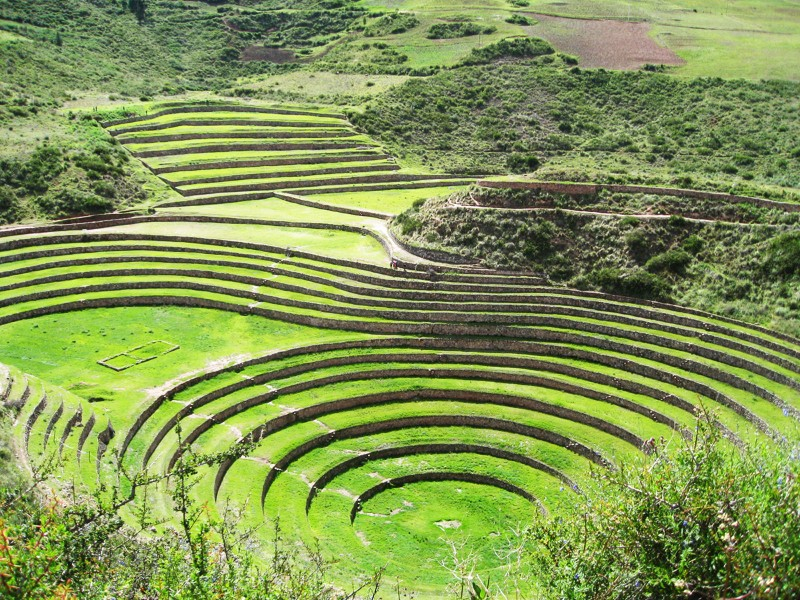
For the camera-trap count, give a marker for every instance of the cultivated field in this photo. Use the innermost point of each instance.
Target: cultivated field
(381, 411)
(711, 38)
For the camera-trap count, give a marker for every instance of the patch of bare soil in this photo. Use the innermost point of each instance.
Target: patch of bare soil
(603, 43)
(274, 55)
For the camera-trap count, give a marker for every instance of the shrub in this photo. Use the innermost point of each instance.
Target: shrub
(391, 24)
(522, 163)
(701, 520)
(677, 221)
(408, 222)
(783, 255)
(639, 283)
(636, 240)
(441, 31)
(693, 244)
(674, 261)
(517, 19)
(522, 48)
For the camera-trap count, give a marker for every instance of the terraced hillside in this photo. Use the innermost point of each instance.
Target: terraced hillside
(381, 411)
(213, 154)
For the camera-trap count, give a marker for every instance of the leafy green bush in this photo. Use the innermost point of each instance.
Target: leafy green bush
(783, 255)
(638, 283)
(518, 19)
(408, 223)
(693, 244)
(674, 261)
(82, 549)
(699, 518)
(637, 240)
(442, 31)
(521, 48)
(522, 163)
(391, 24)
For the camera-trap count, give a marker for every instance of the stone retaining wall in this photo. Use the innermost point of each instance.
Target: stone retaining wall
(441, 476)
(76, 418)
(52, 423)
(32, 418)
(417, 449)
(278, 185)
(272, 162)
(621, 364)
(366, 429)
(103, 440)
(227, 123)
(248, 148)
(319, 410)
(284, 174)
(236, 135)
(341, 189)
(458, 324)
(446, 317)
(219, 108)
(360, 212)
(87, 430)
(400, 279)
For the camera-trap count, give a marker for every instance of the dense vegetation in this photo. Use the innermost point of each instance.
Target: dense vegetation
(736, 260)
(590, 125)
(699, 520)
(86, 173)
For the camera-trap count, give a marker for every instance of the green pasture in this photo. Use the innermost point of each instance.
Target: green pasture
(313, 84)
(389, 201)
(275, 209)
(337, 244)
(751, 39)
(57, 347)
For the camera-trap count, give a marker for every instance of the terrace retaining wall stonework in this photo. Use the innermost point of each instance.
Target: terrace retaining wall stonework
(33, 417)
(219, 108)
(366, 429)
(73, 422)
(235, 135)
(441, 476)
(87, 430)
(272, 162)
(248, 148)
(278, 185)
(418, 449)
(282, 174)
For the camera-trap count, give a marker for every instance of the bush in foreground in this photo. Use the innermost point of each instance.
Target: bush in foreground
(696, 519)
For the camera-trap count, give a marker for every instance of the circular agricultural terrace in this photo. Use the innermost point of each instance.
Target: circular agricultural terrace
(380, 411)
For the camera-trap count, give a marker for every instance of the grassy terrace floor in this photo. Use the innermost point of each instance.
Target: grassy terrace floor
(381, 412)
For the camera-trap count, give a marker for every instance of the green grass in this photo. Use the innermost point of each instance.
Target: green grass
(87, 337)
(276, 209)
(390, 201)
(713, 38)
(244, 172)
(338, 244)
